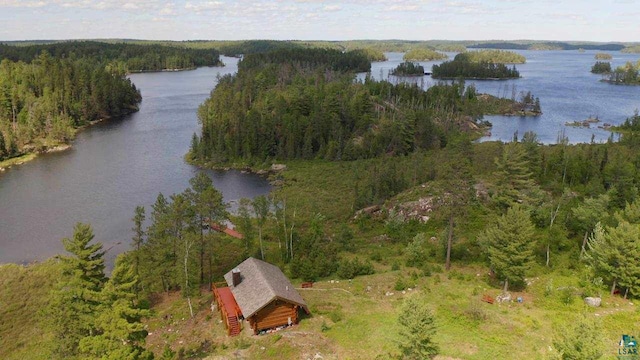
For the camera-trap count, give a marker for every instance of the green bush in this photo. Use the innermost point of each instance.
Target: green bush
(348, 269)
(400, 284)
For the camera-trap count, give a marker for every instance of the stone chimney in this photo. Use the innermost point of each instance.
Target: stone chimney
(235, 277)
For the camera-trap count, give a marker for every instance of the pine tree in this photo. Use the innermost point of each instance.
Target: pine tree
(417, 330)
(208, 206)
(138, 238)
(158, 272)
(514, 179)
(509, 245)
(614, 254)
(120, 333)
(76, 298)
(588, 214)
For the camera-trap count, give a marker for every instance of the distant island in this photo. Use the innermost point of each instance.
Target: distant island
(603, 56)
(408, 68)
(492, 56)
(546, 45)
(423, 54)
(473, 70)
(601, 67)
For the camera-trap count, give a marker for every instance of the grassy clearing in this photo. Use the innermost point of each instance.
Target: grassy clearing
(24, 291)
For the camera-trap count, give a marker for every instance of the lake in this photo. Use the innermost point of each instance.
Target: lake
(119, 164)
(113, 167)
(566, 88)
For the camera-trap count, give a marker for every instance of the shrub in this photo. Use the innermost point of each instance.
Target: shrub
(348, 269)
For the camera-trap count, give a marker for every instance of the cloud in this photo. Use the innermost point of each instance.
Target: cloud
(332, 8)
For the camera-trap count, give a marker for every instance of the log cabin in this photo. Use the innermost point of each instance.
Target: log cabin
(261, 294)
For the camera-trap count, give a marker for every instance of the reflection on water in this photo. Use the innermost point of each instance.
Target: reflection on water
(113, 167)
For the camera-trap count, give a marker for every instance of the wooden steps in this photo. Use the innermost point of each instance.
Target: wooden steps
(234, 325)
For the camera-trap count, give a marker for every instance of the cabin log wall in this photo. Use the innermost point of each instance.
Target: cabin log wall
(277, 313)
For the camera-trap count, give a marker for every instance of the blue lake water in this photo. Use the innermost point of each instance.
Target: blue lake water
(113, 167)
(566, 88)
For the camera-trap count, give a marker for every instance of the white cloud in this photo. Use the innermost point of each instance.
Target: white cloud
(332, 8)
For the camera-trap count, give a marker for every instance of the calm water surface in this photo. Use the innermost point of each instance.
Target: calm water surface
(119, 164)
(113, 167)
(565, 86)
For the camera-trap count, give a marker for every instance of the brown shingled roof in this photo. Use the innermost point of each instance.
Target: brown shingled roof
(261, 283)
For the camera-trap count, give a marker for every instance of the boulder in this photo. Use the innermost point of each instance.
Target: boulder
(278, 167)
(593, 301)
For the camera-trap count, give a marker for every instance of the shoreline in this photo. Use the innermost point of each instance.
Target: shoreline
(54, 148)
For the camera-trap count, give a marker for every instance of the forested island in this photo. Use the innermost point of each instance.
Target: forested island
(122, 57)
(601, 67)
(304, 104)
(491, 56)
(628, 74)
(423, 54)
(473, 70)
(408, 68)
(44, 101)
(603, 56)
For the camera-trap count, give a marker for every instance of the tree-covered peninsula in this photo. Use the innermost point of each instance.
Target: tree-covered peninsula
(423, 54)
(304, 104)
(44, 101)
(125, 57)
(408, 68)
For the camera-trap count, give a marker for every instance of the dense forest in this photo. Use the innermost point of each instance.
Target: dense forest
(42, 102)
(601, 67)
(304, 105)
(121, 56)
(473, 70)
(631, 49)
(547, 45)
(491, 56)
(408, 68)
(423, 54)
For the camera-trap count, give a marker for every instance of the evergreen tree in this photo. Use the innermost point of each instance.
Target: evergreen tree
(209, 208)
(614, 254)
(138, 237)
(514, 179)
(120, 333)
(509, 245)
(76, 298)
(580, 340)
(588, 214)
(159, 270)
(417, 330)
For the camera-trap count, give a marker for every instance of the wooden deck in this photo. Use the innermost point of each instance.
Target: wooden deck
(228, 308)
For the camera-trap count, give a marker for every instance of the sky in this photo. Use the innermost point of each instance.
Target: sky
(578, 20)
